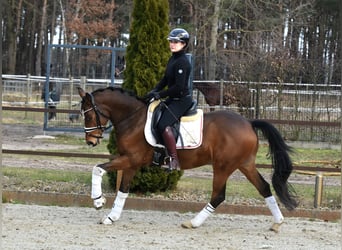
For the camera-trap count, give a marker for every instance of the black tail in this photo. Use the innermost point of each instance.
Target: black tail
(281, 162)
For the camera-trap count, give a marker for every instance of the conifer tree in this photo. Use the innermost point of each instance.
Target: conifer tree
(147, 52)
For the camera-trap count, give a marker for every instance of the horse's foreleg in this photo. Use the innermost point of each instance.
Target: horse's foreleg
(120, 198)
(97, 174)
(117, 208)
(96, 189)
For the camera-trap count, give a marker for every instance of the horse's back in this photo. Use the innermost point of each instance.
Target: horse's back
(227, 120)
(227, 129)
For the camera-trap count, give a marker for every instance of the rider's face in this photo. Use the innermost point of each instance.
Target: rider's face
(176, 46)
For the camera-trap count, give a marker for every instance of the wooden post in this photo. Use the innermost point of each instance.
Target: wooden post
(221, 93)
(28, 86)
(83, 82)
(71, 79)
(318, 189)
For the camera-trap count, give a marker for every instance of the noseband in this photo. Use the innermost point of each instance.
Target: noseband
(98, 113)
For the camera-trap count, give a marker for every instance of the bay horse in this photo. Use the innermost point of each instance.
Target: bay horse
(231, 94)
(230, 143)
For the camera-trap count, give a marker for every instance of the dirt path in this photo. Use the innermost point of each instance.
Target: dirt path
(42, 227)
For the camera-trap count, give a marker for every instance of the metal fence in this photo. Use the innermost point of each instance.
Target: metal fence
(304, 112)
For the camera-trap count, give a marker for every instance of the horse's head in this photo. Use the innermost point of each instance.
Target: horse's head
(95, 119)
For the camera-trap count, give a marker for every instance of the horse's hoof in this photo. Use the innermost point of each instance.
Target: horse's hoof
(99, 202)
(275, 227)
(106, 220)
(187, 225)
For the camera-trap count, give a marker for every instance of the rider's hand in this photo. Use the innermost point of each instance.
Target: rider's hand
(150, 95)
(156, 95)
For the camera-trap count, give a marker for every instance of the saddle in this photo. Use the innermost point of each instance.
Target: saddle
(156, 115)
(188, 132)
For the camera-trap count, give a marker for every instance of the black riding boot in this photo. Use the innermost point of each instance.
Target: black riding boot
(170, 144)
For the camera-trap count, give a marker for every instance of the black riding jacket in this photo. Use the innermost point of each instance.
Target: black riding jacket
(176, 77)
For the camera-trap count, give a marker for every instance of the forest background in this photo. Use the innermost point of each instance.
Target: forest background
(254, 40)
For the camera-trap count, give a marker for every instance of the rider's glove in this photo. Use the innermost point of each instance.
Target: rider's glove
(156, 95)
(150, 95)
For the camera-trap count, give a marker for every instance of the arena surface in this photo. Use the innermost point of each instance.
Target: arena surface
(50, 227)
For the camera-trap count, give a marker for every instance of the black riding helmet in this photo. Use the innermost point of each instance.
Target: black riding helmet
(180, 35)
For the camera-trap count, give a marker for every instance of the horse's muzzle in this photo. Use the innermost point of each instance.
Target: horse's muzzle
(91, 143)
(93, 140)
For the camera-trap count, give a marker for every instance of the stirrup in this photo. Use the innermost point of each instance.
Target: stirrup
(99, 202)
(168, 163)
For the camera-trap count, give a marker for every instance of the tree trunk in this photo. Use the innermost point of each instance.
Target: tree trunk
(32, 39)
(40, 41)
(213, 41)
(12, 36)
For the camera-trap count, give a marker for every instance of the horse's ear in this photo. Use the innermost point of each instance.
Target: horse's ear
(81, 92)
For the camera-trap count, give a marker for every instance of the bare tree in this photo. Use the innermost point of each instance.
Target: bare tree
(213, 40)
(40, 40)
(13, 29)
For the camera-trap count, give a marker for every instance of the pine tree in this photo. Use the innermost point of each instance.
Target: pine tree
(147, 52)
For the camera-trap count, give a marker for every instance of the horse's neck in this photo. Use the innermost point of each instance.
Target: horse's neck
(201, 86)
(128, 115)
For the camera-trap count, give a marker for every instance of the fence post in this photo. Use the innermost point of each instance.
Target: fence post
(28, 85)
(318, 189)
(83, 82)
(221, 93)
(71, 91)
(257, 100)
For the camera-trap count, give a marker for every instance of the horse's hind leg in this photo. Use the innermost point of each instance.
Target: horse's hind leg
(264, 189)
(217, 197)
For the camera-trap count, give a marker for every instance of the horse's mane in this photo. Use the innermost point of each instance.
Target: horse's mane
(121, 90)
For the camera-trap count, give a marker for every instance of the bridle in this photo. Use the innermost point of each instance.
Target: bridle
(98, 113)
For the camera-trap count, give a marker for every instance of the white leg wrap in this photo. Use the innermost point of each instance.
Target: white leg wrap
(96, 180)
(273, 206)
(203, 215)
(118, 205)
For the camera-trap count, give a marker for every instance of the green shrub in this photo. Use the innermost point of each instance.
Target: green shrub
(146, 56)
(148, 179)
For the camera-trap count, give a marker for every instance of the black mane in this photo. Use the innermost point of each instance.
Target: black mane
(123, 91)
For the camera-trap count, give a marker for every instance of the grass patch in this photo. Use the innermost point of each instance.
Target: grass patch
(238, 191)
(303, 156)
(191, 189)
(48, 180)
(20, 117)
(47, 174)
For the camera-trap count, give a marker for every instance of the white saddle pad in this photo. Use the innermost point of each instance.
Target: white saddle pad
(191, 128)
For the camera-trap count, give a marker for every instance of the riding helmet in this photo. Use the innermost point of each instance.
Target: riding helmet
(180, 35)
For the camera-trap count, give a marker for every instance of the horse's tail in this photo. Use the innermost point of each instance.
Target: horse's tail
(281, 162)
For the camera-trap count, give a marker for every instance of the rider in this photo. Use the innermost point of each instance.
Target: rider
(177, 94)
